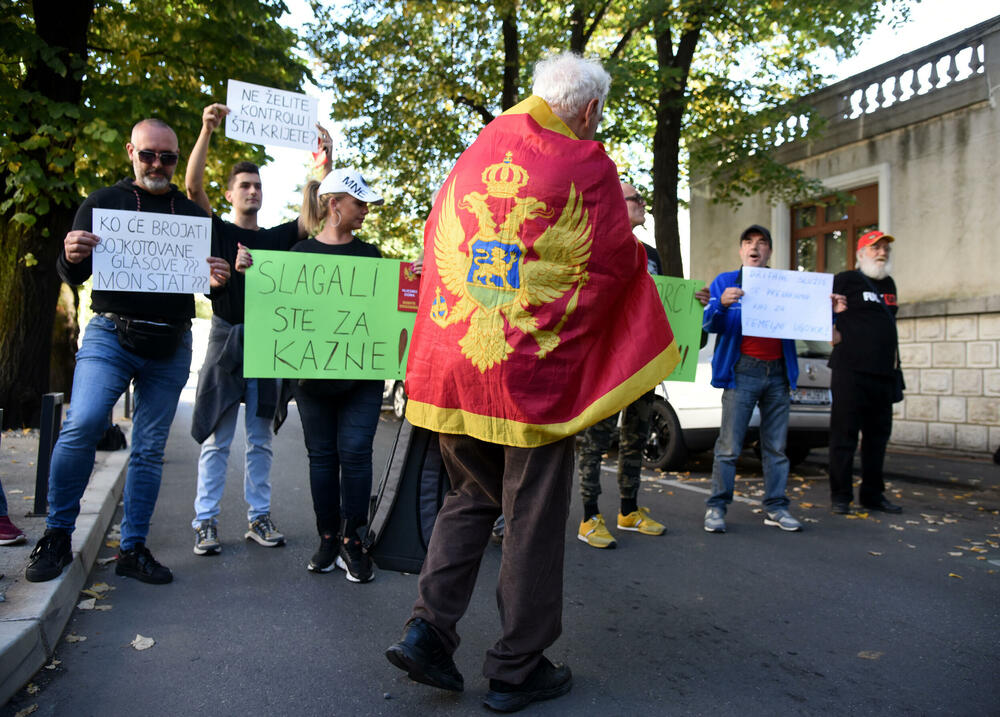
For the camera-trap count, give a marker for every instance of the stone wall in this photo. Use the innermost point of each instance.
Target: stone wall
(951, 363)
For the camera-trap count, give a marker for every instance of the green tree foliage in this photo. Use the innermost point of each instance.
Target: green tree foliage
(74, 77)
(414, 81)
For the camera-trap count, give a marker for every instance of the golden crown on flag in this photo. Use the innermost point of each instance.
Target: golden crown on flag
(504, 179)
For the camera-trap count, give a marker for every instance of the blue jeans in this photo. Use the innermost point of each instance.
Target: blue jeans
(3, 502)
(339, 432)
(257, 461)
(764, 383)
(103, 372)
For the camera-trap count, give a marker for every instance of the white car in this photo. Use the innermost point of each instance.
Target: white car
(394, 397)
(686, 416)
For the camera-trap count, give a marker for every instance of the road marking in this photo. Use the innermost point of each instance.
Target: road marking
(683, 486)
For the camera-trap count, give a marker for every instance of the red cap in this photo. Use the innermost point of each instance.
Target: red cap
(872, 237)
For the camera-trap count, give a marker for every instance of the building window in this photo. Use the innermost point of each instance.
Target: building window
(825, 231)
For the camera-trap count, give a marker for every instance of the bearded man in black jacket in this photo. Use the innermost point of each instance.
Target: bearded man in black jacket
(156, 354)
(864, 361)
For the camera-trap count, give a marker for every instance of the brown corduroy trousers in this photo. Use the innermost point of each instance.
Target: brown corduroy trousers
(532, 486)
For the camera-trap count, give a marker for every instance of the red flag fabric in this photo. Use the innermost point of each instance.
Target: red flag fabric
(537, 315)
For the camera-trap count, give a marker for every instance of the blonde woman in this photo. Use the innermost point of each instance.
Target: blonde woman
(339, 417)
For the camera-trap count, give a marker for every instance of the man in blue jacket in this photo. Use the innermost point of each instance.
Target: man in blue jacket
(753, 371)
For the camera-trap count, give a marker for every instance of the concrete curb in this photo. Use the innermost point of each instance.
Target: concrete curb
(39, 612)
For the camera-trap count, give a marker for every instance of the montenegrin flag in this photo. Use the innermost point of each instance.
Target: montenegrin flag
(537, 316)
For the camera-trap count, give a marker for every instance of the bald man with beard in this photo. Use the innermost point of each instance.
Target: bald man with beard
(140, 336)
(864, 359)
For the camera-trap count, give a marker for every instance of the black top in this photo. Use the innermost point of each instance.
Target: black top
(230, 304)
(652, 260)
(355, 247)
(126, 194)
(868, 332)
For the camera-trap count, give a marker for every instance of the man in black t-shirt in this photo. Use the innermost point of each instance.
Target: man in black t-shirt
(111, 356)
(864, 360)
(221, 384)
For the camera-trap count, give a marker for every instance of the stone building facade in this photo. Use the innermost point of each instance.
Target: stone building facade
(917, 142)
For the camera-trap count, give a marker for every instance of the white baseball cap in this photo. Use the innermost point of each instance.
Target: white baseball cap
(348, 181)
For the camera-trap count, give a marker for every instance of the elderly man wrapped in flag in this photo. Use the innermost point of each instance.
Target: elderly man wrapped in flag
(537, 318)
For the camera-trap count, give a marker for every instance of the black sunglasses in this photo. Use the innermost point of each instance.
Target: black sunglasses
(148, 156)
(636, 198)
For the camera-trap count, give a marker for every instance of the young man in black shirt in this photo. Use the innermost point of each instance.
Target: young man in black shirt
(864, 359)
(221, 385)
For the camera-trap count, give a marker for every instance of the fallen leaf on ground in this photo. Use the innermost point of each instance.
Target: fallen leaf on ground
(31, 689)
(143, 643)
(73, 637)
(870, 654)
(954, 575)
(87, 604)
(26, 711)
(875, 553)
(897, 527)
(54, 664)
(15, 491)
(956, 555)
(102, 608)
(806, 505)
(100, 588)
(105, 561)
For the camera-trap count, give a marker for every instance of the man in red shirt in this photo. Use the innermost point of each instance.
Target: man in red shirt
(753, 371)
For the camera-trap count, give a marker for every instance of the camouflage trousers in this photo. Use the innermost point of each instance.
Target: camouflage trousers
(595, 441)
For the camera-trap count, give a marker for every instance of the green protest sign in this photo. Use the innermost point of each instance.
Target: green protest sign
(684, 313)
(322, 316)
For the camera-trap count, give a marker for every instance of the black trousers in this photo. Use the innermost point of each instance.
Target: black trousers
(861, 402)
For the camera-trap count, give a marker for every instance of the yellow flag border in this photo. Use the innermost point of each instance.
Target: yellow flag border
(528, 435)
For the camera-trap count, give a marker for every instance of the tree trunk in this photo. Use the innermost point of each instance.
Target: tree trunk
(511, 58)
(28, 254)
(670, 105)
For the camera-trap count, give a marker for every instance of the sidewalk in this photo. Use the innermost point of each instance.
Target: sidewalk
(33, 615)
(934, 468)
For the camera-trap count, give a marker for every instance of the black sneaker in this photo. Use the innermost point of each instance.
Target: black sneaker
(140, 564)
(545, 682)
(323, 559)
(353, 560)
(53, 552)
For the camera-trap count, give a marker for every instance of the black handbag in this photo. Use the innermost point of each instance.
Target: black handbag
(149, 339)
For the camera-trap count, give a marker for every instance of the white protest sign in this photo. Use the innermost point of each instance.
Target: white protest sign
(264, 115)
(787, 304)
(145, 251)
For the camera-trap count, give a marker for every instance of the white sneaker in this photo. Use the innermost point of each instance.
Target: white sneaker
(715, 520)
(781, 518)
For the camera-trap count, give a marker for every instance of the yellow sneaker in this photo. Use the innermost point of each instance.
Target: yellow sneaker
(640, 522)
(595, 534)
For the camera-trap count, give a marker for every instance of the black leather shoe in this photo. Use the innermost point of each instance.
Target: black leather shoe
(140, 564)
(841, 507)
(883, 504)
(421, 655)
(545, 682)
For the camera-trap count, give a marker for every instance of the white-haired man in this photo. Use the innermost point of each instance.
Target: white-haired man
(515, 350)
(864, 360)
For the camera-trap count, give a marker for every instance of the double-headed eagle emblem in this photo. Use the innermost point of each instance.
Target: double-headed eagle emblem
(491, 280)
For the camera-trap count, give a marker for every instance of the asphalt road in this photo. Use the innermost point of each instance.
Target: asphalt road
(867, 615)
